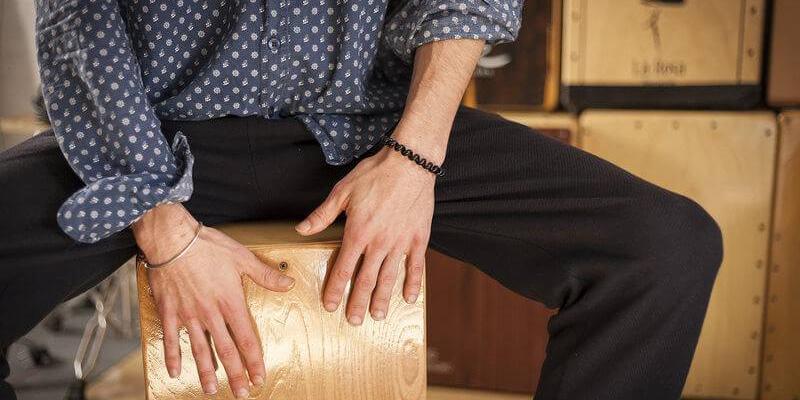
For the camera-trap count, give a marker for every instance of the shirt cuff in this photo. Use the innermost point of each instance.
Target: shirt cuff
(493, 21)
(111, 204)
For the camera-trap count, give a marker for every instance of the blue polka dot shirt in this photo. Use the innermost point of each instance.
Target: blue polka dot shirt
(111, 69)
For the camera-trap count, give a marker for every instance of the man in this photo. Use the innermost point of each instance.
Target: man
(276, 108)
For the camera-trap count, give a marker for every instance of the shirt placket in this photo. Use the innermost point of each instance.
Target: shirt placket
(273, 41)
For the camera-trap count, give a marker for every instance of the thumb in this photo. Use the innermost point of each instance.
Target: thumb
(323, 216)
(269, 277)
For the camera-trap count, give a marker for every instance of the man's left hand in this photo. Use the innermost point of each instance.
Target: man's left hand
(389, 201)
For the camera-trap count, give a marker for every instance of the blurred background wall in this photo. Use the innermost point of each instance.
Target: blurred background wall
(19, 79)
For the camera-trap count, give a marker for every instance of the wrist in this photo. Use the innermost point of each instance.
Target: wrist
(162, 231)
(429, 142)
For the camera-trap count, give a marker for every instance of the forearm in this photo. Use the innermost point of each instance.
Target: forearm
(442, 70)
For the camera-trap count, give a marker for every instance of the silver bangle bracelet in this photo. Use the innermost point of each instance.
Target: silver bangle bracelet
(179, 255)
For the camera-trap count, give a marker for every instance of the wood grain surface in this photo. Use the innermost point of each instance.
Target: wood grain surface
(309, 353)
(781, 376)
(725, 162)
(124, 381)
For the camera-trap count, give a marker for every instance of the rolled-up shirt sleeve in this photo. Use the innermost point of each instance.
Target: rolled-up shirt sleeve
(417, 22)
(104, 124)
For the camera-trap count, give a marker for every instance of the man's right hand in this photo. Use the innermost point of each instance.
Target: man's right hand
(202, 291)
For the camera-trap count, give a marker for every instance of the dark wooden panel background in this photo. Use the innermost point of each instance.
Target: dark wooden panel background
(529, 80)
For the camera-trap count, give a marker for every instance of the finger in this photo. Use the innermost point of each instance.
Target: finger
(341, 272)
(202, 357)
(325, 214)
(248, 343)
(385, 286)
(415, 265)
(267, 276)
(363, 286)
(228, 353)
(172, 348)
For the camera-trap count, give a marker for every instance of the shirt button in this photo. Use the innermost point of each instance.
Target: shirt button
(274, 44)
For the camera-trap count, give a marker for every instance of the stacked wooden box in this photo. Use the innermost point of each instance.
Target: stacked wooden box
(695, 96)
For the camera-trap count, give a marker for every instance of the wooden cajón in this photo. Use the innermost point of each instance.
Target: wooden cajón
(309, 353)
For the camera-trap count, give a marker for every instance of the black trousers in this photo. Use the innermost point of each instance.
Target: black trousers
(630, 265)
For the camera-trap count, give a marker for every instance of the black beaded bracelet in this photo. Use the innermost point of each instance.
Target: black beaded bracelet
(388, 141)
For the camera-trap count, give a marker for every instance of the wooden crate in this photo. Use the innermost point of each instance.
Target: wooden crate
(784, 61)
(662, 54)
(524, 74)
(781, 375)
(502, 336)
(309, 353)
(480, 334)
(724, 161)
(561, 126)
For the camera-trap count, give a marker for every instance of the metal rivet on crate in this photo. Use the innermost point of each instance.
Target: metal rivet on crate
(735, 390)
(754, 335)
(283, 266)
(768, 132)
(762, 227)
(756, 299)
(751, 370)
(775, 268)
(759, 264)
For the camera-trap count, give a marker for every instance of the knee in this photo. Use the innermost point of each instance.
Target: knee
(681, 240)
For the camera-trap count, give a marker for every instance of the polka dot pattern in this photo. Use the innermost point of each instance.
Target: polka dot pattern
(111, 69)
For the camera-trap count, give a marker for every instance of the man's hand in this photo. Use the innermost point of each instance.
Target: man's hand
(389, 201)
(202, 291)
(388, 198)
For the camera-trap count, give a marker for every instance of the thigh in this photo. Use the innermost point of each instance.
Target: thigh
(526, 208)
(40, 266)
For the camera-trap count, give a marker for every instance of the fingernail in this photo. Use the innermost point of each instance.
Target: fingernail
(330, 306)
(211, 388)
(412, 299)
(258, 380)
(355, 320)
(242, 393)
(286, 282)
(378, 315)
(173, 372)
(303, 226)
